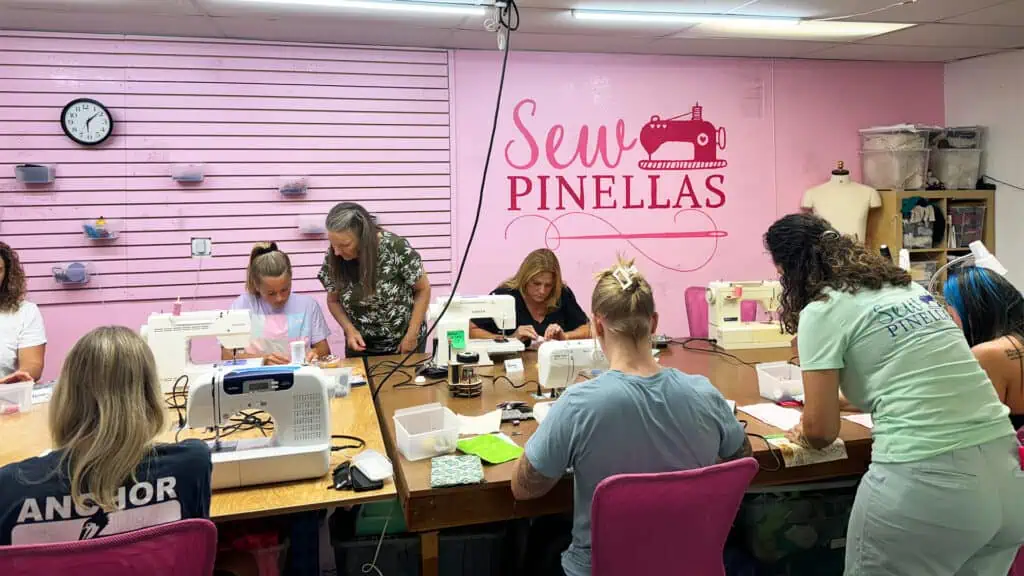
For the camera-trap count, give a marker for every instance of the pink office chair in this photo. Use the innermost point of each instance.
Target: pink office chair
(185, 548)
(697, 311)
(670, 523)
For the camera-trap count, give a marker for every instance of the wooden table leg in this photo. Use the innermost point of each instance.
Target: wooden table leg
(429, 554)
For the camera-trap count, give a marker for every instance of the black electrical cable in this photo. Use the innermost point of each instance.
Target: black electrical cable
(359, 442)
(508, 18)
(715, 349)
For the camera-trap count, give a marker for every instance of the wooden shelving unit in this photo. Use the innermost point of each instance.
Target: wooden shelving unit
(885, 224)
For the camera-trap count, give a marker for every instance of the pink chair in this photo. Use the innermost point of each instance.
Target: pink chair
(670, 523)
(185, 548)
(697, 311)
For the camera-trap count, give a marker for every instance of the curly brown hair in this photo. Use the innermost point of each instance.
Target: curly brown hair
(12, 288)
(813, 256)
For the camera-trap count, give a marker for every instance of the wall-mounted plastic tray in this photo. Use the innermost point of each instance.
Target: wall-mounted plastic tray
(35, 174)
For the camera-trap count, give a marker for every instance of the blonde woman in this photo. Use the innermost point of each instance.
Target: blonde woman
(545, 306)
(278, 316)
(105, 475)
(635, 418)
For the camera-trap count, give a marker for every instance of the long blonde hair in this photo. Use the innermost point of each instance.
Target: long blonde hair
(265, 261)
(624, 301)
(105, 412)
(536, 263)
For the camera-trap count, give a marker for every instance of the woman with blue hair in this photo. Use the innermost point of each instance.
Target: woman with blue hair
(990, 310)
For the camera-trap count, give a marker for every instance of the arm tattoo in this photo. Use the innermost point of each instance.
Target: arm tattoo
(530, 482)
(1015, 354)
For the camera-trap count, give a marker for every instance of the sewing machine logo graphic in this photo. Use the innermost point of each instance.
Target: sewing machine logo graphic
(706, 140)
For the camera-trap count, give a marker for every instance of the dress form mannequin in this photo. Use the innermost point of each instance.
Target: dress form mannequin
(843, 202)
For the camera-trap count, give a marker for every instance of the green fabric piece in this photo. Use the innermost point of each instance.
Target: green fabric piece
(490, 448)
(455, 471)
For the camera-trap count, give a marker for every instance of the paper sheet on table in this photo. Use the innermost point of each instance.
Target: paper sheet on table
(483, 424)
(540, 411)
(773, 415)
(862, 419)
(731, 404)
(797, 455)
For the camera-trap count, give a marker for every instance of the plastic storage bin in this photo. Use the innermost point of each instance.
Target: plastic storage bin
(16, 397)
(889, 138)
(895, 169)
(955, 168)
(779, 380)
(72, 273)
(313, 224)
(426, 431)
(188, 173)
(968, 224)
(956, 137)
(34, 173)
(922, 271)
(102, 228)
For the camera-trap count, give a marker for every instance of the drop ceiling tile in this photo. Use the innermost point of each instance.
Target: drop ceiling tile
(737, 47)
(899, 53)
(101, 23)
(551, 42)
(922, 11)
(1006, 14)
(953, 35)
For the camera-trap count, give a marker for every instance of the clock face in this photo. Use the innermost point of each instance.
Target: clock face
(86, 121)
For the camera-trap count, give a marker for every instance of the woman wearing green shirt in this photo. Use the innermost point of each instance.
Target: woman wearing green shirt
(376, 286)
(944, 494)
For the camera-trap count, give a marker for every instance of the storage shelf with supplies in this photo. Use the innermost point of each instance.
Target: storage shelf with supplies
(974, 209)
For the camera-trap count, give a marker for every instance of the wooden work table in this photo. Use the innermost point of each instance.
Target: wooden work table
(428, 510)
(27, 435)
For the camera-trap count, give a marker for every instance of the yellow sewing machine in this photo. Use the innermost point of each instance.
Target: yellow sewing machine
(725, 322)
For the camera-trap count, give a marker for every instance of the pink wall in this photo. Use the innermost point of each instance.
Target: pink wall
(368, 125)
(786, 124)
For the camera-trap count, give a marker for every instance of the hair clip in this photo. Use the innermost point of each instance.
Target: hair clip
(272, 247)
(830, 235)
(624, 276)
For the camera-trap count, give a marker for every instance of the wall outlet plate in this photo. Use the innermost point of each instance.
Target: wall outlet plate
(202, 247)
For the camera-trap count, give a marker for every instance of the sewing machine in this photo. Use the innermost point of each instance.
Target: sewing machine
(559, 363)
(294, 396)
(170, 339)
(695, 130)
(454, 326)
(725, 324)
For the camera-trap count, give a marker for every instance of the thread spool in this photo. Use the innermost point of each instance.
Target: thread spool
(298, 351)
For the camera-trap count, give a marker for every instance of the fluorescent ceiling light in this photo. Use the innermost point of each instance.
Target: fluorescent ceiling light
(386, 6)
(747, 26)
(677, 18)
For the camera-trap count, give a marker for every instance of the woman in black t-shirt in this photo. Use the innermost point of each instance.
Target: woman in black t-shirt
(545, 307)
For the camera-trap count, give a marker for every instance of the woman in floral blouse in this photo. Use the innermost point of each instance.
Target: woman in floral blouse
(376, 286)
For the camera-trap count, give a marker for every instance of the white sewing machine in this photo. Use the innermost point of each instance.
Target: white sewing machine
(559, 362)
(170, 339)
(725, 324)
(500, 308)
(294, 396)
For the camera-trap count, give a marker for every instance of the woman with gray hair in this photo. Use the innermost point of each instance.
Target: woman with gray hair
(376, 286)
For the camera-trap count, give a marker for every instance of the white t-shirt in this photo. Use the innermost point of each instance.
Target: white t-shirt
(844, 204)
(22, 328)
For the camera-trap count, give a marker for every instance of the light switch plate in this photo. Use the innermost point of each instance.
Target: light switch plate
(202, 248)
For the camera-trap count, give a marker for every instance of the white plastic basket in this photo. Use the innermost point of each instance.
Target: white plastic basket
(779, 381)
(17, 394)
(426, 431)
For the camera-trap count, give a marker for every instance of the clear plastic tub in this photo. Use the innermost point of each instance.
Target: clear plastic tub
(895, 169)
(426, 431)
(957, 169)
(17, 395)
(889, 138)
(956, 137)
(779, 381)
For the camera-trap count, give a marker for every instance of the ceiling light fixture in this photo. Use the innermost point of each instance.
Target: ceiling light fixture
(747, 26)
(439, 8)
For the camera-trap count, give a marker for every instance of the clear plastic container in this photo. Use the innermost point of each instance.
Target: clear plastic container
(889, 138)
(312, 224)
(779, 381)
(895, 169)
(18, 394)
(957, 169)
(373, 464)
(426, 431)
(956, 137)
(73, 273)
(102, 228)
(188, 173)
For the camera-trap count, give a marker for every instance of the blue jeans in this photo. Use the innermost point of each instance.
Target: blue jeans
(959, 513)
